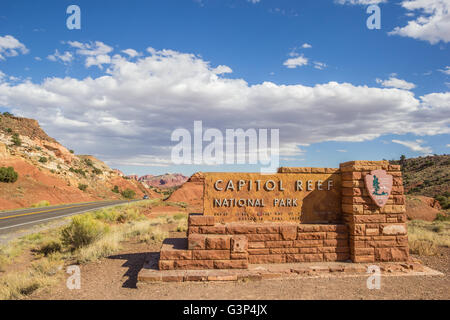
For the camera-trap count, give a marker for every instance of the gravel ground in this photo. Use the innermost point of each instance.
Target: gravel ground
(115, 278)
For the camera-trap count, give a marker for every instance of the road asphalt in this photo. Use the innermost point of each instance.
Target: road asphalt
(11, 221)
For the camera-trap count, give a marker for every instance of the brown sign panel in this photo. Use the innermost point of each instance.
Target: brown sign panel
(287, 197)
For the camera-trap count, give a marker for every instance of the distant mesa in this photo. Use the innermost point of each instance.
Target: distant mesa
(168, 180)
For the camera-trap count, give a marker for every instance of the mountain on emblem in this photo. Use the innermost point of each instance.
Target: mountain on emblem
(379, 186)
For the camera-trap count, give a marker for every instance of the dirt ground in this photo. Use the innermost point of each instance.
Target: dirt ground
(115, 277)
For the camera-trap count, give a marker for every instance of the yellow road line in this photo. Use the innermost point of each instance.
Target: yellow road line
(50, 210)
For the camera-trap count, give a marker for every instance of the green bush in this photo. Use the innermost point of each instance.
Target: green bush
(89, 162)
(442, 217)
(78, 171)
(8, 175)
(8, 114)
(40, 204)
(16, 140)
(82, 187)
(115, 189)
(50, 246)
(128, 194)
(43, 159)
(9, 130)
(97, 171)
(71, 151)
(82, 231)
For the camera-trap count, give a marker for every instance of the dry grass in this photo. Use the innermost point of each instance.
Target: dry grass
(105, 246)
(87, 238)
(425, 237)
(40, 204)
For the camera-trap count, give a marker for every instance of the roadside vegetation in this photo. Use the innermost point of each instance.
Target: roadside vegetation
(40, 204)
(425, 237)
(8, 175)
(86, 238)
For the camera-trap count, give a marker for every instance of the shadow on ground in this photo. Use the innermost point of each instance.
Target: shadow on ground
(134, 262)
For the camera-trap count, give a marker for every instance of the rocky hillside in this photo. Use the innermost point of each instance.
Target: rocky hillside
(427, 179)
(428, 176)
(49, 171)
(191, 192)
(167, 180)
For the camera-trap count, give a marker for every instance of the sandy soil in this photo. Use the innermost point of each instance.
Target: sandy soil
(115, 278)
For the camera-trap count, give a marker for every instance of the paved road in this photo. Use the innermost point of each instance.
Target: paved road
(17, 219)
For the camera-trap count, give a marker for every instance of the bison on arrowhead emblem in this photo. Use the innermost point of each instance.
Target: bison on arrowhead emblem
(379, 186)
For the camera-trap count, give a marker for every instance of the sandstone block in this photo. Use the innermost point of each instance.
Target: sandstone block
(218, 242)
(239, 244)
(199, 220)
(288, 232)
(210, 254)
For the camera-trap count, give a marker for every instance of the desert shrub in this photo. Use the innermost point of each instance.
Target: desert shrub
(107, 215)
(128, 194)
(103, 247)
(46, 267)
(129, 215)
(43, 203)
(182, 226)
(8, 114)
(155, 234)
(50, 246)
(9, 130)
(88, 162)
(8, 175)
(43, 159)
(444, 201)
(423, 247)
(97, 171)
(82, 231)
(16, 140)
(115, 189)
(16, 285)
(442, 217)
(78, 171)
(82, 187)
(71, 151)
(179, 216)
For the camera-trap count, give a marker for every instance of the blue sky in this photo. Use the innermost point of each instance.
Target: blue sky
(299, 66)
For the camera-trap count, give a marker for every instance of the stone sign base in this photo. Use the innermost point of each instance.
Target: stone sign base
(235, 245)
(255, 272)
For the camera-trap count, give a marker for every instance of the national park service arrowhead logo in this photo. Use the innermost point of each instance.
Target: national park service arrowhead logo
(379, 185)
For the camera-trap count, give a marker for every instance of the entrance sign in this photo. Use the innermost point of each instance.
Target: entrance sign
(287, 197)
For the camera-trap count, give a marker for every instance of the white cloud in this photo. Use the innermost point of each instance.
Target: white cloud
(319, 65)
(393, 82)
(11, 47)
(446, 70)
(127, 114)
(432, 23)
(448, 146)
(222, 70)
(306, 46)
(359, 2)
(131, 52)
(97, 52)
(254, 1)
(65, 58)
(38, 58)
(415, 146)
(341, 150)
(293, 63)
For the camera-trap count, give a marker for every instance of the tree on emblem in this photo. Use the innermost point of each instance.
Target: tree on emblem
(376, 187)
